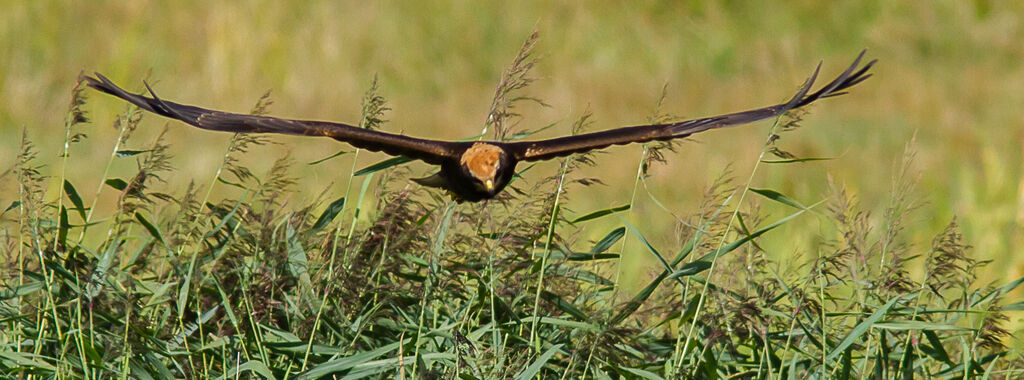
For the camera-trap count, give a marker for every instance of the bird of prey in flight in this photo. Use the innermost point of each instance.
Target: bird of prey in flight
(476, 170)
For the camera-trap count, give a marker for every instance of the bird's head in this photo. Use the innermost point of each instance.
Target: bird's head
(483, 163)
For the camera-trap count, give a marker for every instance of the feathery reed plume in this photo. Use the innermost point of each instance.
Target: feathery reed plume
(502, 116)
(654, 152)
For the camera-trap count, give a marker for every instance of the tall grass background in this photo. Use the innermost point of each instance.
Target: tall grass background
(155, 248)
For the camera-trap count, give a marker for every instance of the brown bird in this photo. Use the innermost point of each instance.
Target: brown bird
(474, 171)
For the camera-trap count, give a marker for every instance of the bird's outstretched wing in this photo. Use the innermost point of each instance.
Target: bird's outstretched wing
(431, 151)
(564, 146)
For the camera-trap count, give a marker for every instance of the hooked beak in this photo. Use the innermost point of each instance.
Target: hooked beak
(489, 184)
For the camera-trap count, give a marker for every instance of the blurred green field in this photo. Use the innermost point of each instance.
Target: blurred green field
(950, 74)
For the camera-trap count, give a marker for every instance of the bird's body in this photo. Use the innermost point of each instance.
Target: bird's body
(479, 172)
(474, 171)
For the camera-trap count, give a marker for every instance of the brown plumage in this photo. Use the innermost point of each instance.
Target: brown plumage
(474, 171)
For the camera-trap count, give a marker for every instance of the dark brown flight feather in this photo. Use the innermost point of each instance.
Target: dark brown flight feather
(478, 182)
(431, 151)
(564, 146)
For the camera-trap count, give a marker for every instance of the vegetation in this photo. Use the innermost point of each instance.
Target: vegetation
(401, 282)
(949, 74)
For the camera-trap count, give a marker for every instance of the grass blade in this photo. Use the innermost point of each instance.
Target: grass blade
(917, 325)
(535, 367)
(346, 363)
(340, 152)
(297, 263)
(600, 213)
(117, 183)
(149, 227)
(328, 215)
(608, 240)
(129, 153)
(12, 206)
(393, 161)
(630, 307)
(63, 227)
(250, 366)
(739, 242)
(76, 200)
(778, 197)
(642, 374)
(792, 160)
(861, 329)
